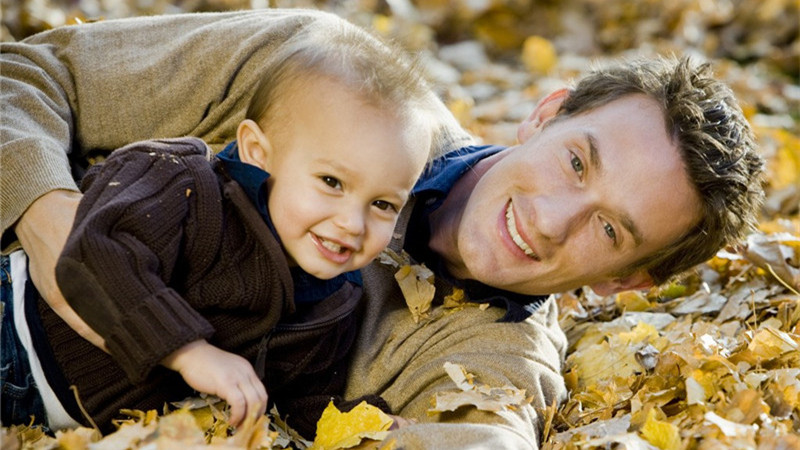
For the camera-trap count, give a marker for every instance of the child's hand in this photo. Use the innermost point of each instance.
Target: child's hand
(209, 369)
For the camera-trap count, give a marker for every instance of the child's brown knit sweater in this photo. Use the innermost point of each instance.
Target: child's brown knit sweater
(165, 250)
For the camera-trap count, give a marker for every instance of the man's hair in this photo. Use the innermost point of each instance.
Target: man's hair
(382, 76)
(715, 141)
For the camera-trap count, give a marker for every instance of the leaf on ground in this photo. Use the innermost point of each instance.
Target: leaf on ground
(539, 55)
(778, 254)
(130, 435)
(338, 430)
(663, 435)
(472, 393)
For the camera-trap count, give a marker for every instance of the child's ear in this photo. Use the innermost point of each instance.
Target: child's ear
(254, 145)
(545, 110)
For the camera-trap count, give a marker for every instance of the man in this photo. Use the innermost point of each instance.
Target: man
(635, 175)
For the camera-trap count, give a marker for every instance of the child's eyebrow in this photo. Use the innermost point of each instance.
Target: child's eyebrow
(336, 165)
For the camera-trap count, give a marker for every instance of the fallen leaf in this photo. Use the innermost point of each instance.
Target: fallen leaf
(471, 393)
(539, 55)
(663, 435)
(416, 283)
(337, 430)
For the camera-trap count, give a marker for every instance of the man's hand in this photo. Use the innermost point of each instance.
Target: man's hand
(43, 230)
(212, 370)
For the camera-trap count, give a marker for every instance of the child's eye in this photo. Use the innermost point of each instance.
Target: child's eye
(331, 181)
(577, 164)
(609, 230)
(385, 206)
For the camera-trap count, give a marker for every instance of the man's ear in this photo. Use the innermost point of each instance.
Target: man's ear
(254, 146)
(546, 109)
(636, 281)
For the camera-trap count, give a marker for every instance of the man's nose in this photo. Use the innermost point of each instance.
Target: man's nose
(352, 220)
(556, 216)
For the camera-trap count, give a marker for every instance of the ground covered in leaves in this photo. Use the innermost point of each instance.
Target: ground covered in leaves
(711, 360)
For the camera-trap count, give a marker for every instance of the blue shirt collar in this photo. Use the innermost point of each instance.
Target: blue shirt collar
(430, 191)
(253, 181)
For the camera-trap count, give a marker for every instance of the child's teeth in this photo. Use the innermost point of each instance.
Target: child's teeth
(332, 246)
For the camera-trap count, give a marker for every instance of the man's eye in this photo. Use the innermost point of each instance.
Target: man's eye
(610, 232)
(577, 164)
(331, 181)
(384, 206)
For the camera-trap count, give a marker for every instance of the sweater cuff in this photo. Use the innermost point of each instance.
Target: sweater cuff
(147, 334)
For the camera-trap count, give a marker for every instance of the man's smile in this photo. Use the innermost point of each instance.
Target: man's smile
(511, 226)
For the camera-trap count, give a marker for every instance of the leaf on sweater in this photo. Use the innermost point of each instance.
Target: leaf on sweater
(337, 430)
(471, 393)
(415, 280)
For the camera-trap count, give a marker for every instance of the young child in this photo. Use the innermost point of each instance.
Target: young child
(236, 275)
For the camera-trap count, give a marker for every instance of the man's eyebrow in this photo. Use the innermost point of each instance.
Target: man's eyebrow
(628, 224)
(597, 163)
(594, 154)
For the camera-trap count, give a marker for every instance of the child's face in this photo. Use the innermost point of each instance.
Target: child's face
(341, 170)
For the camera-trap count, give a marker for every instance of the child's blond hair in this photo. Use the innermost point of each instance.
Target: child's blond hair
(381, 75)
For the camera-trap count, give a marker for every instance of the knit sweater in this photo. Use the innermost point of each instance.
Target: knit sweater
(167, 249)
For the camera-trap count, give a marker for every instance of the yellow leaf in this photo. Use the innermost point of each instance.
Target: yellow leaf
(455, 299)
(769, 343)
(641, 332)
(631, 301)
(336, 429)
(663, 435)
(77, 439)
(539, 55)
(129, 435)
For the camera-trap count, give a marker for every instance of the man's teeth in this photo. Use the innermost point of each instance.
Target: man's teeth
(332, 246)
(511, 224)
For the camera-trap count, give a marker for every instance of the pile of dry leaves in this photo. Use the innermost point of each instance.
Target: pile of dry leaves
(709, 361)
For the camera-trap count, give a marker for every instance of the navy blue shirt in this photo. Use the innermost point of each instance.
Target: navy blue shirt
(430, 191)
(253, 180)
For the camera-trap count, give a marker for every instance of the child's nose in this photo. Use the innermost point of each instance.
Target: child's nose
(351, 221)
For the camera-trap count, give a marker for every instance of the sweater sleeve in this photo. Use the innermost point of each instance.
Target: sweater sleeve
(403, 362)
(124, 245)
(76, 90)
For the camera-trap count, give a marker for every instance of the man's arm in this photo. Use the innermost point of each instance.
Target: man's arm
(98, 86)
(42, 231)
(403, 362)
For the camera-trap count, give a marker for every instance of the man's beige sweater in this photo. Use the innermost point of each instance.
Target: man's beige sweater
(88, 89)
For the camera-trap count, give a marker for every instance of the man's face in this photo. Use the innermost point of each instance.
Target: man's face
(582, 199)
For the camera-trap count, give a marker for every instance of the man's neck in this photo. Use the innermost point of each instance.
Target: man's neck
(446, 220)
